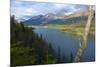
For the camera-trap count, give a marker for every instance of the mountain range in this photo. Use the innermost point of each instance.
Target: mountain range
(50, 18)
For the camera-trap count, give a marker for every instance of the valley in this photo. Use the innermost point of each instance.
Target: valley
(51, 33)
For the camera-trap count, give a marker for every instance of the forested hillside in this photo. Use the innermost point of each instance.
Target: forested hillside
(27, 48)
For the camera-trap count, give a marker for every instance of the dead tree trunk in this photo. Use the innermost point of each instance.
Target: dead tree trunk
(85, 36)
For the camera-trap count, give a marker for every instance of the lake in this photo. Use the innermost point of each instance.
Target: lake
(67, 43)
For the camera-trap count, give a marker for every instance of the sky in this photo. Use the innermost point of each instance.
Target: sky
(27, 9)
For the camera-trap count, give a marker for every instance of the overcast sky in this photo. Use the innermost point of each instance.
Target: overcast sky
(26, 9)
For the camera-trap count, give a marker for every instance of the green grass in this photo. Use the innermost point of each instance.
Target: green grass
(79, 31)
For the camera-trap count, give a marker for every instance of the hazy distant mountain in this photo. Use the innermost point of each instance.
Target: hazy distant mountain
(57, 19)
(36, 20)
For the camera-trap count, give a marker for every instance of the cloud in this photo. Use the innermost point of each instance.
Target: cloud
(24, 9)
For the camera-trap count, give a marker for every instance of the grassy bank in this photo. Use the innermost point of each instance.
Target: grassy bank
(79, 31)
(72, 29)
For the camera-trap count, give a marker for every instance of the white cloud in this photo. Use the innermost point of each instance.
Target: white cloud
(60, 5)
(26, 8)
(68, 13)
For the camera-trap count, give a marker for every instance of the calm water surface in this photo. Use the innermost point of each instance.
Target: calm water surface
(67, 43)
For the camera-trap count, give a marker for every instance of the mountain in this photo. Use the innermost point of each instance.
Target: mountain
(36, 20)
(49, 18)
